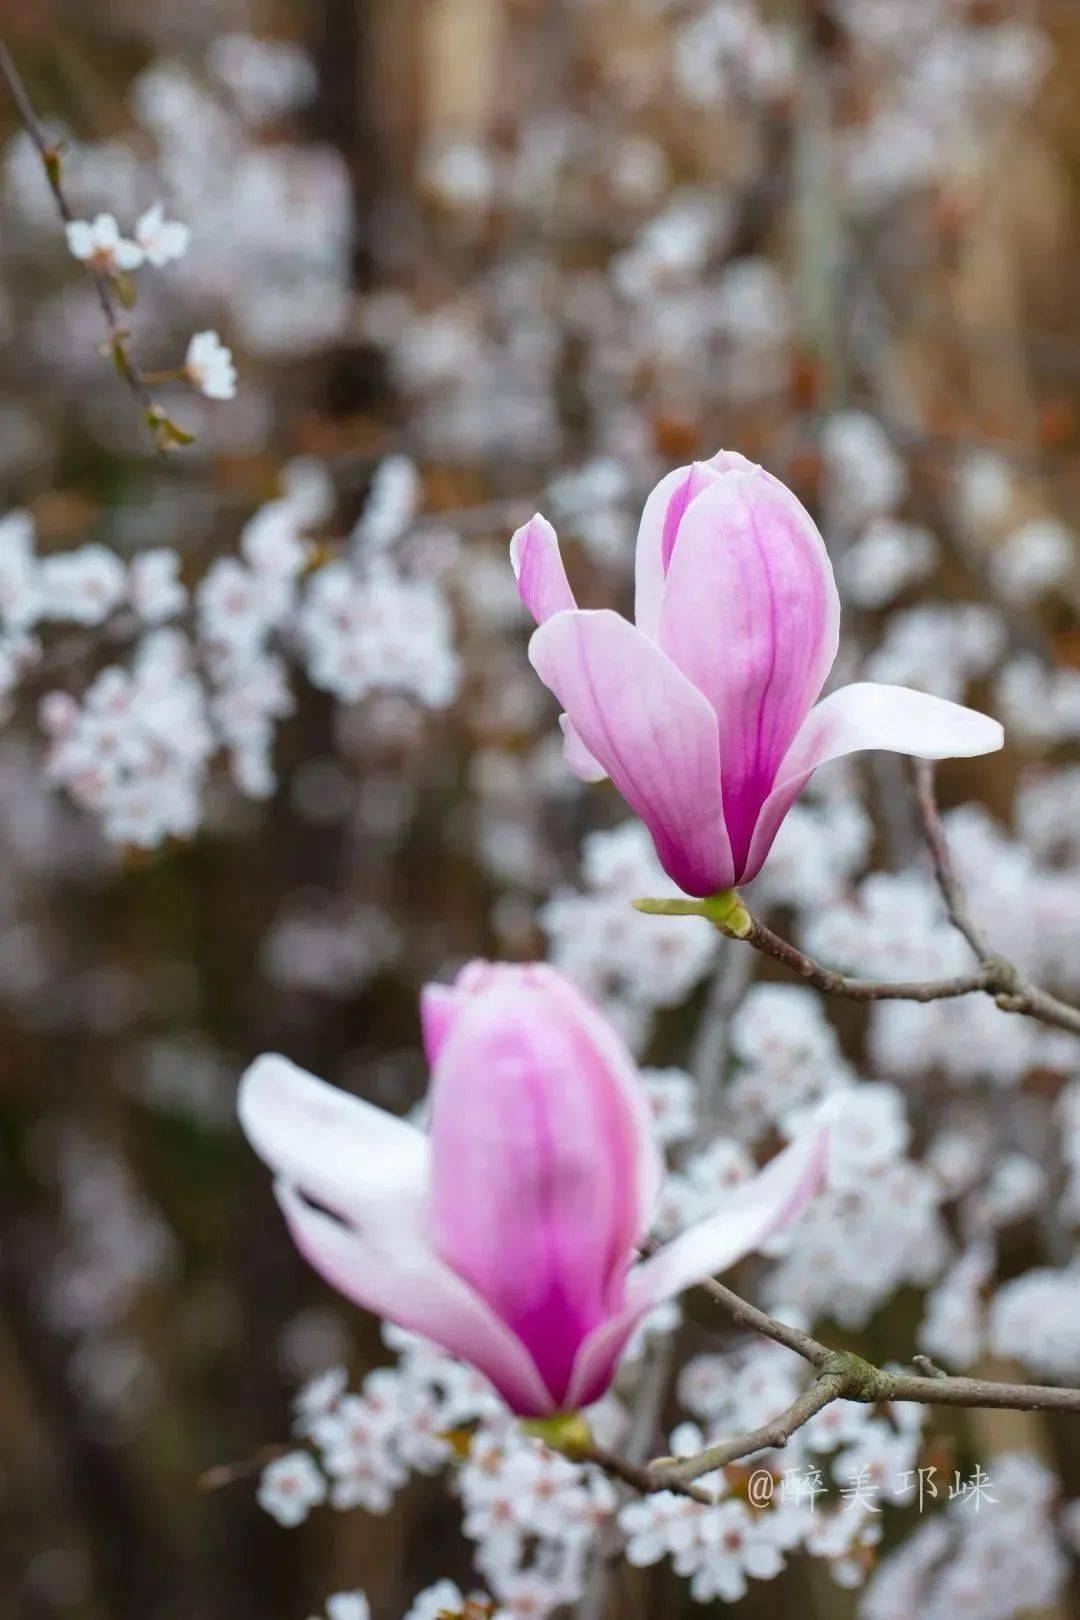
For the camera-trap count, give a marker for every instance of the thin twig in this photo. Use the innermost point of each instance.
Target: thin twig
(832, 983)
(640, 1478)
(117, 334)
(994, 975)
(841, 1375)
(222, 1474)
(771, 1436)
(952, 891)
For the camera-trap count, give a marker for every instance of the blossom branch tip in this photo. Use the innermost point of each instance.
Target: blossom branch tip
(725, 911)
(566, 1432)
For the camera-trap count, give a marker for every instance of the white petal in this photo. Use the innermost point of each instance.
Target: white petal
(356, 1159)
(577, 756)
(869, 715)
(749, 1214)
(406, 1282)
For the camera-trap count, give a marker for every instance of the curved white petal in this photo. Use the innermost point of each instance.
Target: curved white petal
(868, 714)
(352, 1157)
(750, 1214)
(407, 1283)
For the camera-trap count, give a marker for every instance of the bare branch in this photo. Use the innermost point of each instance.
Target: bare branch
(842, 1375)
(952, 891)
(831, 983)
(772, 1436)
(994, 976)
(640, 1478)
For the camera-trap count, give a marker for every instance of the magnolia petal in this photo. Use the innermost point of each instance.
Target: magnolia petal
(750, 614)
(439, 1006)
(410, 1285)
(663, 512)
(541, 1159)
(577, 756)
(654, 734)
(659, 529)
(870, 715)
(749, 1215)
(538, 569)
(347, 1154)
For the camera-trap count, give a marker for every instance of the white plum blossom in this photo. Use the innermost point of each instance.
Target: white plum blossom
(1035, 1319)
(953, 1329)
(392, 503)
(209, 366)
(866, 476)
(83, 586)
(1039, 704)
(886, 558)
(939, 647)
(319, 1396)
(1033, 560)
(672, 1099)
(20, 583)
(153, 585)
(160, 240)
(266, 77)
(289, 1487)
(348, 1606)
(995, 1562)
(435, 1601)
(630, 964)
(99, 244)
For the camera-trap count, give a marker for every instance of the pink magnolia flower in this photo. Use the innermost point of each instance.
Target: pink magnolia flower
(508, 1235)
(705, 714)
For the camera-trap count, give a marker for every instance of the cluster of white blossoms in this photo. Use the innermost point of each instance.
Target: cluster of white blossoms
(1006, 1559)
(629, 964)
(83, 586)
(1035, 1320)
(823, 1494)
(155, 240)
(540, 355)
(877, 1224)
(99, 243)
(894, 927)
(533, 1516)
(1038, 703)
(137, 750)
(266, 258)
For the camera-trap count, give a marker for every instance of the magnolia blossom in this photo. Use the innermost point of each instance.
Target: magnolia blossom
(100, 244)
(209, 366)
(705, 714)
(161, 240)
(508, 1236)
